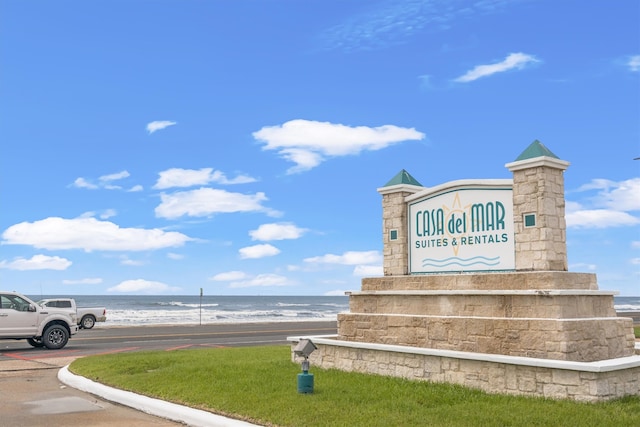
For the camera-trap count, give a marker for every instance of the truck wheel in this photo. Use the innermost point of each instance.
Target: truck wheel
(55, 337)
(34, 342)
(88, 322)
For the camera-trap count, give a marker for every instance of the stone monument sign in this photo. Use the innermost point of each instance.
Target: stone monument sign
(476, 292)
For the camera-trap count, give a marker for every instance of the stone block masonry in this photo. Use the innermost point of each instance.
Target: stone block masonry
(540, 280)
(580, 340)
(539, 188)
(583, 382)
(526, 326)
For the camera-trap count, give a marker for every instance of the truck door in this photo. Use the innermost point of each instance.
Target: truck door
(15, 318)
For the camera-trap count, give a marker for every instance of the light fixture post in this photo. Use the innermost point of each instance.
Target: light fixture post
(305, 380)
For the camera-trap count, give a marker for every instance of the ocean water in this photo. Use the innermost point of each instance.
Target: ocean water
(136, 310)
(623, 304)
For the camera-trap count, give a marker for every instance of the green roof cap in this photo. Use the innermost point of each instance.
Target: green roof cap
(536, 149)
(403, 177)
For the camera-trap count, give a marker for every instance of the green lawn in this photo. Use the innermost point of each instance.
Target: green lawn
(259, 384)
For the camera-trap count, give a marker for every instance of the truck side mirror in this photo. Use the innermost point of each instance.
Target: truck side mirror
(31, 308)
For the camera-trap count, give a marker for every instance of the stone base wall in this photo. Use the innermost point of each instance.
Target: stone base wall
(555, 380)
(512, 304)
(544, 314)
(541, 333)
(583, 340)
(541, 280)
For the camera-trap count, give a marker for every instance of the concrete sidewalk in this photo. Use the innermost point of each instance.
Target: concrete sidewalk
(44, 393)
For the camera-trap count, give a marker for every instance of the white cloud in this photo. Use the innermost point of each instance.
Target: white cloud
(89, 234)
(582, 267)
(512, 61)
(37, 262)
(131, 262)
(83, 183)
(280, 231)
(635, 244)
(112, 187)
(634, 63)
(622, 196)
(108, 213)
(304, 159)
(87, 281)
(383, 24)
(367, 263)
(114, 176)
(177, 177)
(599, 218)
(209, 201)
(261, 280)
(368, 271)
(335, 293)
(159, 125)
(348, 258)
(258, 251)
(308, 143)
(144, 286)
(88, 214)
(609, 207)
(106, 182)
(229, 276)
(175, 256)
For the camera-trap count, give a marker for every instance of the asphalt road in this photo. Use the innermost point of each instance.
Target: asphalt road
(101, 339)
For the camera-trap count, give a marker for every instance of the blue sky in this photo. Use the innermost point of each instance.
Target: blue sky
(160, 147)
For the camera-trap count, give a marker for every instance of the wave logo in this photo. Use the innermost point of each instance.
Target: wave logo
(462, 262)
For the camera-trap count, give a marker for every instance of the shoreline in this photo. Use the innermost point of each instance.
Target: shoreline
(213, 323)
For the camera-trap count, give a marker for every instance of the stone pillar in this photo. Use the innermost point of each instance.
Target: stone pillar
(394, 218)
(395, 234)
(538, 210)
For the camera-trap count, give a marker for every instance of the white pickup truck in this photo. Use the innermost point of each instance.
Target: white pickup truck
(87, 316)
(21, 318)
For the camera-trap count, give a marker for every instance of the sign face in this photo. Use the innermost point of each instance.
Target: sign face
(466, 229)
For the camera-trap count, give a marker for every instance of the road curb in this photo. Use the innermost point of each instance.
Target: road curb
(160, 408)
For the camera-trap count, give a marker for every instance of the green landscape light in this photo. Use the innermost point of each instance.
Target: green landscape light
(305, 380)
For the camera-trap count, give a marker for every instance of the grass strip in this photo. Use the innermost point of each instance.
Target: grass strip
(259, 384)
